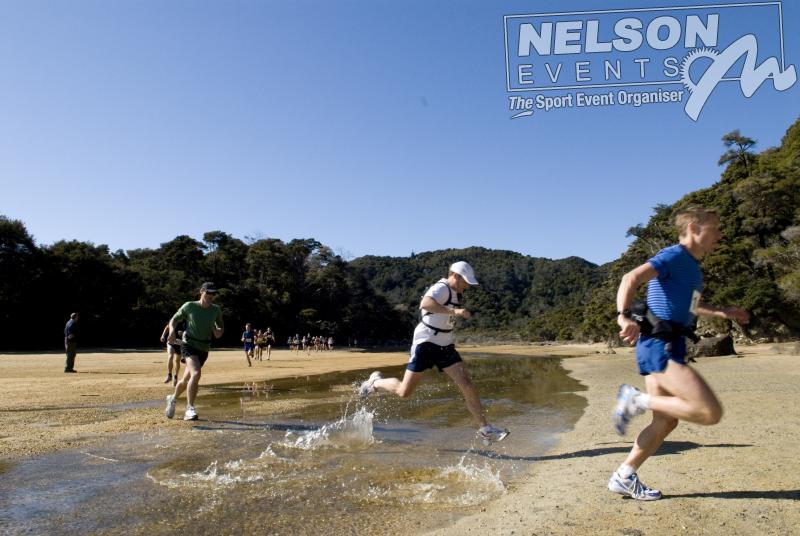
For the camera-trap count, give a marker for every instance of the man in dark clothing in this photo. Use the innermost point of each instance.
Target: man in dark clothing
(71, 341)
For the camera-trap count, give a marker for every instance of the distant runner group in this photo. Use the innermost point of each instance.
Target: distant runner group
(658, 326)
(255, 342)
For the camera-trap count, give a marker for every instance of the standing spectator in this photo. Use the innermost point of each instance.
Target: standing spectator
(71, 341)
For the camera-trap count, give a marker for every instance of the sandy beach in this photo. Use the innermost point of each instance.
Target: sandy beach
(739, 477)
(43, 409)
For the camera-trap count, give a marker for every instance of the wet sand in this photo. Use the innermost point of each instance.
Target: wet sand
(739, 477)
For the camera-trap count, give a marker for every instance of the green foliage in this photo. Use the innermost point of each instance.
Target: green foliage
(560, 324)
(301, 286)
(756, 264)
(22, 267)
(127, 298)
(514, 288)
(738, 150)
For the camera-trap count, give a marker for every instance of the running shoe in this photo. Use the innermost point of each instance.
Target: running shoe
(175, 380)
(170, 411)
(492, 433)
(368, 387)
(626, 407)
(190, 415)
(169, 378)
(632, 487)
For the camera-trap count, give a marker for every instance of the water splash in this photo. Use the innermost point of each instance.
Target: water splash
(270, 454)
(463, 484)
(354, 431)
(232, 473)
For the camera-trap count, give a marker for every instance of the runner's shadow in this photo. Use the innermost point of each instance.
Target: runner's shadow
(676, 447)
(254, 426)
(790, 495)
(669, 447)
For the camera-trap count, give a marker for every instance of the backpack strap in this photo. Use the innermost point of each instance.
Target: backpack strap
(445, 304)
(436, 331)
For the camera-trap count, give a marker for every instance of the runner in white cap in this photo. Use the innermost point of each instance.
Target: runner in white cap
(433, 347)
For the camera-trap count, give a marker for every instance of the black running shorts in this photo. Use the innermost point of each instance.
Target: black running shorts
(199, 355)
(428, 355)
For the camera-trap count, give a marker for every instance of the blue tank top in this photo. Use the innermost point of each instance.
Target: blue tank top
(669, 295)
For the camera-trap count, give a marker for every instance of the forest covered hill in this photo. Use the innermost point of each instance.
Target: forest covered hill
(302, 286)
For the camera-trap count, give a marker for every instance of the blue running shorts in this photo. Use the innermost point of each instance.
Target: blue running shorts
(652, 354)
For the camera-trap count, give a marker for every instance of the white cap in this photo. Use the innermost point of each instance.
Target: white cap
(464, 270)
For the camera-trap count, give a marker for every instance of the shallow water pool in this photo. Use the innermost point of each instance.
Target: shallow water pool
(304, 456)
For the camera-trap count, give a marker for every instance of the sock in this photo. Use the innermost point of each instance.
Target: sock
(625, 471)
(642, 400)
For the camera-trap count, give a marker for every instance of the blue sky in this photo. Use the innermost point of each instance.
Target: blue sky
(375, 127)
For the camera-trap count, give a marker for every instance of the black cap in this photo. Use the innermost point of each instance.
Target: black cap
(209, 287)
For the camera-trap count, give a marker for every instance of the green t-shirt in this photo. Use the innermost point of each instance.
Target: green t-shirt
(200, 324)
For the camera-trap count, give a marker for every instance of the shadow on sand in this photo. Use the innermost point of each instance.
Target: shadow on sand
(669, 447)
(789, 495)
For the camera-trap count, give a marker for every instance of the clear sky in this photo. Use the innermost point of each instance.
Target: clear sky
(377, 127)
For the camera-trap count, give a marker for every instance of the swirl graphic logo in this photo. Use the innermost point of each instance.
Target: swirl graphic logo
(751, 78)
(686, 64)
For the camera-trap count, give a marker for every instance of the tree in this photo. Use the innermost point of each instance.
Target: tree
(764, 206)
(21, 283)
(738, 150)
(225, 258)
(86, 278)
(658, 234)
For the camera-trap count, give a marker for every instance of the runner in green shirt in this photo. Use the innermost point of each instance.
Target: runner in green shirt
(203, 322)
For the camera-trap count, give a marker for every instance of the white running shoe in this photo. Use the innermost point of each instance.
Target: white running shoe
(632, 487)
(626, 407)
(170, 411)
(492, 433)
(190, 415)
(368, 387)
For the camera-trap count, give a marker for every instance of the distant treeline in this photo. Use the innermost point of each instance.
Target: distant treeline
(513, 290)
(756, 265)
(126, 297)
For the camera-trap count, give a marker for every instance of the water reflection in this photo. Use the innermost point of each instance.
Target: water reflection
(304, 455)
